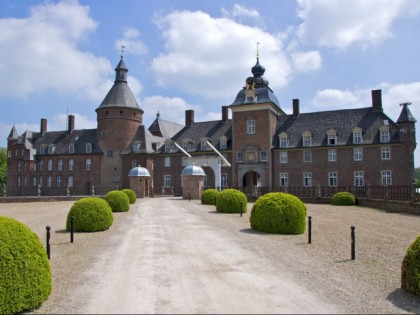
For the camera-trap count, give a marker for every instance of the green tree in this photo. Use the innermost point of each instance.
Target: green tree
(3, 168)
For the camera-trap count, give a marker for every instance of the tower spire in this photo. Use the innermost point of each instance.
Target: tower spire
(258, 54)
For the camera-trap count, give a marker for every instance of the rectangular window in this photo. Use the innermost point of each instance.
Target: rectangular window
(186, 146)
(50, 163)
(167, 181)
(59, 179)
(332, 155)
(35, 166)
(283, 156)
(358, 154)
(71, 148)
(49, 181)
(224, 180)
(9, 154)
(103, 134)
(357, 137)
(60, 165)
(70, 181)
(332, 139)
(386, 178)
(250, 127)
(34, 183)
(19, 166)
(71, 164)
(332, 179)
(41, 181)
(384, 135)
(385, 153)
(307, 141)
(168, 147)
(116, 178)
(109, 153)
(88, 164)
(359, 179)
(263, 156)
(19, 181)
(25, 181)
(239, 156)
(133, 163)
(284, 179)
(167, 161)
(223, 144)
(283, 142)
(41, 165)
(307, 156)
(205, 183)
(307, 179)
(88, 147)
(203, 145)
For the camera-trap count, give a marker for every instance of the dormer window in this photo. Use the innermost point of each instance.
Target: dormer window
(89, 147)
(223, 143)
(284, 140)
(44, 150)
(71, 148)
(51, 149)
(357, 136)
(307, 139)
(136, 146)
(331, 137)
(384, 133)
(168, 147)
(203, 144)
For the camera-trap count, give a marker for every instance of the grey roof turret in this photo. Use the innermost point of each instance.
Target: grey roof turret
(406, 115)
(13, 134)
(120, 94)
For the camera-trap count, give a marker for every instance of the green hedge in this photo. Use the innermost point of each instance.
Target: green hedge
(278, 213)
(118, 201)
(231, 201)
(410, 270)
(209, 196)
(343, 198)
(90, 215)
(131, 194)
(25, 272)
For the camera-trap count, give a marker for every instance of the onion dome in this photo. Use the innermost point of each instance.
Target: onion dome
(258, 70)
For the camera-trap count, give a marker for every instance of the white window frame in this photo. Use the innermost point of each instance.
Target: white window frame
(168, 147)
(284, 179)
(386, 178)
(332, 179)
(88, 147)
(71, 165)
(71, 148)
(49, 181)
(358, 154)
(359, 178)
(136, 146)
(307, 156)
(50, 165)
(223, 180)
(60, 165)
(263, 156)
(167, 180)
(167, 161)
(283, 157)
(88, 164)
(59, 180)
(250, 126)
(307, 179)
(203, 145)
(223, 143)
(357, 136)
(70, 181)
(307, 141)
(283, 140)
(332, 155)
(385, 153)
(240, 156)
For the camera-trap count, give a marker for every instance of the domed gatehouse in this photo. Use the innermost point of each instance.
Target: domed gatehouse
(139, 181)
(192, 182)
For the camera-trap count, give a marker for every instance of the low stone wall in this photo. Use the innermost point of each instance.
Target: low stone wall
(12, 199)
(391, 205)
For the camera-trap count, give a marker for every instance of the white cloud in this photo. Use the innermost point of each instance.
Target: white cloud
(241, 12)
(132, 43)
(40, 52)
(202, 56)
(333, 99)
(341, 23)
(307, 61)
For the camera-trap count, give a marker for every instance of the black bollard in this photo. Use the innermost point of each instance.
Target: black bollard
(309, 230)
(353, 244)
(71, 229)
(48, 228)
(240, 204)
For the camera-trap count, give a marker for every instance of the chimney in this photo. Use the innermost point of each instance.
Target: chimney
(377, 100)
(71, 123)
(225, 113)
(189, 117)
(43, 126)
(295, 107)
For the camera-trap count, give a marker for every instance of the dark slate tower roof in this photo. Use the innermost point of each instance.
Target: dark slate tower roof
(120, 94)
(13, 134)
(264, 94)
(406, 115)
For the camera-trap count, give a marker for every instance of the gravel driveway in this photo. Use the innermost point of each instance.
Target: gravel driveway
(168, 255)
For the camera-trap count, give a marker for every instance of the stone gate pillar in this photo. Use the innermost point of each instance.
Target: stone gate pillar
(192, 182)
(139, 181)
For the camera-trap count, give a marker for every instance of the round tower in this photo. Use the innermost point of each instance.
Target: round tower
(119, 116)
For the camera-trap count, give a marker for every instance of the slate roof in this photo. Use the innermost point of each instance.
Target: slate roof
(406, 115)
(213, 130)
(147, 140)
(264, 95)
(342, 121)
(164, 128)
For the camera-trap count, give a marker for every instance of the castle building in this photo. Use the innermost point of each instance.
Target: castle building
(260, 146)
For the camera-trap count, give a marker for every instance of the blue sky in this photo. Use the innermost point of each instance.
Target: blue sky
(58, 57)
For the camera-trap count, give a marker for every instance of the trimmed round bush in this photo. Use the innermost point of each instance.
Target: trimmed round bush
(231, 201)
(131, 194)
(25, 272)
(90, 215)
(278, 213)
(343, 198)
(209, 196)
(118, 201)
(410, 270)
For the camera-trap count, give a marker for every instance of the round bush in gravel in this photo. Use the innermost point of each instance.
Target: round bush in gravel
(231, 201)
(343, 199)
(90, 215)
(278, 213)
(410, 270)
(118, 201)
(131, 194)
(25, 273)
(209, 196)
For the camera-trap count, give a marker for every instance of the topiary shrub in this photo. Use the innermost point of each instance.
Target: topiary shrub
(410, 269)
(278, 213)
(131, 194)
(25, 272)
(90, 215)
(209, 196)
(231, 201)
(343, 198)
(118, 201)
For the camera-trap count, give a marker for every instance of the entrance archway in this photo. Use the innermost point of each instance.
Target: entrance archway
(251, 179)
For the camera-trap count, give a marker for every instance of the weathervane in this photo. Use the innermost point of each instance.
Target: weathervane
(405, 104)
(122, 50)
(258, 55)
